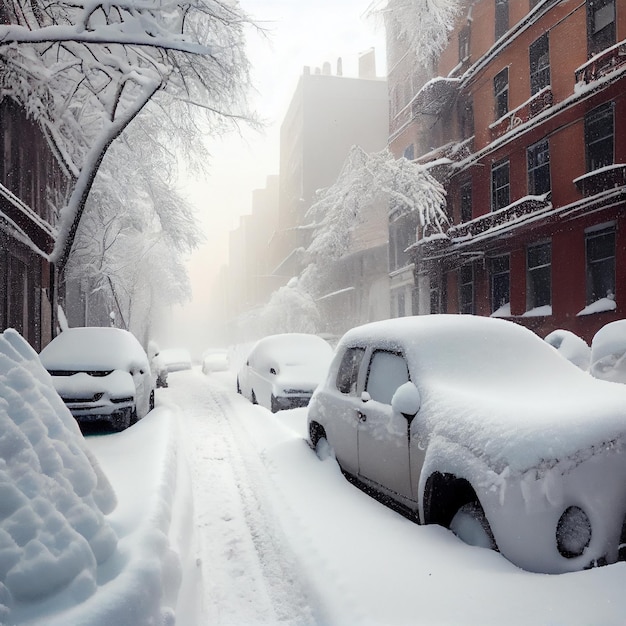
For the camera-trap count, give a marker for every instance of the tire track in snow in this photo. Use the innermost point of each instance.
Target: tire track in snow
(249, 574)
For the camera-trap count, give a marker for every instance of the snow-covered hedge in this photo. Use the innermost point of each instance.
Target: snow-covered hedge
(53, 495)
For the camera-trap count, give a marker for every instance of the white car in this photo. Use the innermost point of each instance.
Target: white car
(282, 371)
(608, 352)
(101, 374)
(215, 360)
(478, 425)
(175, 359)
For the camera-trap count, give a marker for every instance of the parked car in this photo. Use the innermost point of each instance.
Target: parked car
(158, 367)
(215, 360)
(608, 352)
(478, 425)
(101, 374)
(282, 371)
(571, 347)
(176, 359)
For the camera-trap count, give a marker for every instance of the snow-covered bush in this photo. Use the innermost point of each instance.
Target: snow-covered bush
(53, 495)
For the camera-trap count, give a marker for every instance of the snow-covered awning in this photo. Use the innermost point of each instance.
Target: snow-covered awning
(435, 96)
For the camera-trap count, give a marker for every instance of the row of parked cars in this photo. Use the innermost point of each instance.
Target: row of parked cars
(472, 423)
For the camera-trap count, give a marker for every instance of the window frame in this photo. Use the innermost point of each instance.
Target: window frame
(532, 152)
(495, 168)
(354, 371)
(499, 272)
(466, 202)
(534, 277)
(600, 40)
(501, 18)
(591, 282)
(539, 68)
(597, 156)
(501, 93)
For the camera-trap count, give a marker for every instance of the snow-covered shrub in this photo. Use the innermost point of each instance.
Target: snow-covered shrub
(53, 495)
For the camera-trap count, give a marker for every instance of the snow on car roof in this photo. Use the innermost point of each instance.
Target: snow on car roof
(496, 387)
(93, 348)
(291, 347)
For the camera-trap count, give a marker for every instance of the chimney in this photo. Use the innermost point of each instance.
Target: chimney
(367, 64)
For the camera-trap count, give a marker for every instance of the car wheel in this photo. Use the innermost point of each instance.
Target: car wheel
(274, 404)
(253, 398)
(151, 400)
(238, 385)
(121, 421)
(470, 525)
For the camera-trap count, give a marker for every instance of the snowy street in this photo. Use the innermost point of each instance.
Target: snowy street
(284, 538)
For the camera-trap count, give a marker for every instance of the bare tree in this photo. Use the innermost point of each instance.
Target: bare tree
(85, 70)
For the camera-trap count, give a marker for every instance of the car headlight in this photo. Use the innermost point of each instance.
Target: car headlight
(573, 532)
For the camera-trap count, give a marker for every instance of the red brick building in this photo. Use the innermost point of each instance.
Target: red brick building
(32, 182)
(526, 124)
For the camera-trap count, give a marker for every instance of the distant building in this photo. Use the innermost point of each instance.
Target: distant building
(328, 115)
(528, 118)
(32, 182)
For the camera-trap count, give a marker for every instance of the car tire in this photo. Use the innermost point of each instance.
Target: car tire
(253, 398)
(151, 403)
(274, 404)
(471, 526)
(121, 421)
(238, 385)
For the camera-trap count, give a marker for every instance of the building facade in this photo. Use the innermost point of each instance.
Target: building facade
(527, 118)
(32, 181)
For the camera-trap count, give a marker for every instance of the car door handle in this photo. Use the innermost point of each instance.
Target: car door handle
(362, 416)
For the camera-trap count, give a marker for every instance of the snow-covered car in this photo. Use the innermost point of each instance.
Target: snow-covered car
(159, 370)
(282, 371)
(101, 374)
(478, 425)
(215, 360)
(571, 347)
(176, 359)
(608, 352)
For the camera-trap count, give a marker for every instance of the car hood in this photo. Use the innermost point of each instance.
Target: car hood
(521, 428)
(117, 384)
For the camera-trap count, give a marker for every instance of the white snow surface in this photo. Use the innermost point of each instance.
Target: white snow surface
(283, 537)
(570, 346)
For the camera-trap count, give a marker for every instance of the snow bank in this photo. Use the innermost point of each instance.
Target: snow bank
(53, 495)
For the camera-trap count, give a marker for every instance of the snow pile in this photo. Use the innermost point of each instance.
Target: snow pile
(608, 352)
(53, 496)
(570, 346)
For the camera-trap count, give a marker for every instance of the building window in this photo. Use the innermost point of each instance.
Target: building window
(599, 130)
(539, 53)
(600, 25)
(600, 250)
(466, 115)
(402, 234)
(538, 159)
(539, 274)
(502, 17)
(501, 92)
(500, 282)
(466, 289)
(500, 187)
(437, 293)
(466, 202)
(464, 43)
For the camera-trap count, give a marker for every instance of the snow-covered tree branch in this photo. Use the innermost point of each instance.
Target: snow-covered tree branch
(366, 179)
(423, 25)
(85, 70)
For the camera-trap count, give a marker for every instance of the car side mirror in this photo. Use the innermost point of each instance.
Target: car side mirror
(407, 400)
(365, 397)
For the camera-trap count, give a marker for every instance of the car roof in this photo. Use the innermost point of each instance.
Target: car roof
(93, 348)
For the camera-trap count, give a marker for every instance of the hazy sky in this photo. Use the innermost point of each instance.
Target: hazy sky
(300, 32)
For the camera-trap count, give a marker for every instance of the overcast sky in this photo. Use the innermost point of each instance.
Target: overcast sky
(301, 32)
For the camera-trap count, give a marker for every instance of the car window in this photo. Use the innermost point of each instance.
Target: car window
(387, 372)
(349, 370)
